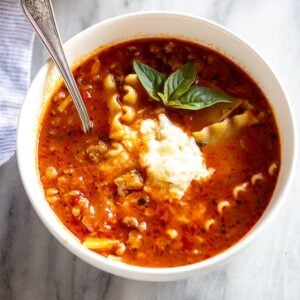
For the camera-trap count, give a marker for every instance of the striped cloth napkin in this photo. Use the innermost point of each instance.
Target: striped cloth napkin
(16, 40)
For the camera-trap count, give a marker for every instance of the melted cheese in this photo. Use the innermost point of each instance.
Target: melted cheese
(171, 158)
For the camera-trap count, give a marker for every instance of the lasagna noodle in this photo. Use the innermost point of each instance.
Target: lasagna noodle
(228, 128)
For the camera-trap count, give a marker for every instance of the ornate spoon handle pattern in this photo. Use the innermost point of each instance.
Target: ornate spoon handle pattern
(41, 16)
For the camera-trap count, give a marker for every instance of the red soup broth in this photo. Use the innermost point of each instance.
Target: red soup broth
(78, 171)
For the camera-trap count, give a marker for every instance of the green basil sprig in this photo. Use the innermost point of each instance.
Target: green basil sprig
(177, 90)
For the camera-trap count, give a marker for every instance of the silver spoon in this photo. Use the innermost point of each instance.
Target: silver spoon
(40, 15)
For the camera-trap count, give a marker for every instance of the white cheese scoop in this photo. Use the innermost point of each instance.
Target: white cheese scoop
(171, 158)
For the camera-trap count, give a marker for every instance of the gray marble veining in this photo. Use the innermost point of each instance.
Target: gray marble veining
(33, 265)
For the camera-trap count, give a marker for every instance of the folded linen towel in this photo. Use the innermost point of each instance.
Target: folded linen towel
(16, 40)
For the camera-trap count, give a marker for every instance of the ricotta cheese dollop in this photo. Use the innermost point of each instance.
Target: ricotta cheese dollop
(171, 158)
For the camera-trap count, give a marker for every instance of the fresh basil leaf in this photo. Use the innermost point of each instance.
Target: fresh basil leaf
(199, 97)
(180, 81)
(151, 79)
(178, 92)
(163, 98)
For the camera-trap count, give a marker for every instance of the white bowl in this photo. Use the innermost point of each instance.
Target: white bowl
(143, 25)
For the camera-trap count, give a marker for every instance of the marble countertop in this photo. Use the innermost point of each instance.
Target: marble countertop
(33, 265)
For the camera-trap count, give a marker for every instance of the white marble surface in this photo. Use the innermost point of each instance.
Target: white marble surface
(33, 265)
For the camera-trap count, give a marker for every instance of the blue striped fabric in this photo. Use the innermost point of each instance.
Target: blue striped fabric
(16, 39)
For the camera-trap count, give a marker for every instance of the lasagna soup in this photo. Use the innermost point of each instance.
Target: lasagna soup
(180, 164)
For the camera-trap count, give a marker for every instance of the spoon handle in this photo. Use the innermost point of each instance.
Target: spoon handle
(41, 16)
